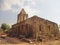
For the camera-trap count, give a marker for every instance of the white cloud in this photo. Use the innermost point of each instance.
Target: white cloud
(7, 4)
(31, 11)
(49, 9)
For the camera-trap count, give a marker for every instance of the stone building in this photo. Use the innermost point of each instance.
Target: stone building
(34, 27)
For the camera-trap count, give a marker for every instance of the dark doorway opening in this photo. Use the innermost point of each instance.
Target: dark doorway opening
(39, 39)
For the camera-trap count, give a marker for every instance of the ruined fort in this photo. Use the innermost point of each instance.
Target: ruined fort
(34, 27)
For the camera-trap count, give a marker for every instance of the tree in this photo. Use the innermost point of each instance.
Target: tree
(5, 27)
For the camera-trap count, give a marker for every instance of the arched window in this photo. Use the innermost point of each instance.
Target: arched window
(30, 31)
(18, 29)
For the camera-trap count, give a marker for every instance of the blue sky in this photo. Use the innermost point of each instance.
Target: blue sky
(48, 9)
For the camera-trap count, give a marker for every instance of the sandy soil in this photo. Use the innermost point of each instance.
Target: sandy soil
(15, 41)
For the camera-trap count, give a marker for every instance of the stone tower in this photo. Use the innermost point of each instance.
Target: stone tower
(22, 16)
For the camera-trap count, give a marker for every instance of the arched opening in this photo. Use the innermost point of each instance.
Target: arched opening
(29, 30)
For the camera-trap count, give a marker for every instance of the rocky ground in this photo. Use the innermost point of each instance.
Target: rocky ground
(15, 41)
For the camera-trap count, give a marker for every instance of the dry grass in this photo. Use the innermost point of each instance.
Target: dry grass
(56, 42)
(15, 41)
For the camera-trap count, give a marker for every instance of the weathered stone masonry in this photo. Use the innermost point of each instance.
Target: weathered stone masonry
(34, 27)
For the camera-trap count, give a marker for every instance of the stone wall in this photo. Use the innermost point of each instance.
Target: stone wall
(36, 27)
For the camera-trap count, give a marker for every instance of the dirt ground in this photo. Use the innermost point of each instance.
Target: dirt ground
(15, 41)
